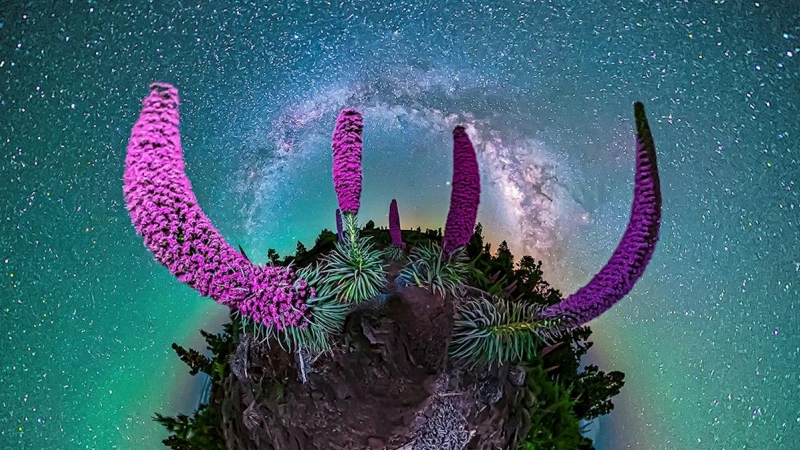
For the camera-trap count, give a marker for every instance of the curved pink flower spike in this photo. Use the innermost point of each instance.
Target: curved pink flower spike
(634, 251)
(465, 196)
(165, 212)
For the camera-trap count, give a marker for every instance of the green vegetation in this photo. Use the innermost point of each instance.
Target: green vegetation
(496, 330)
(549, 410)
(353, 272)
(428, 268)
(394, 253)
(203, 430)
(326, 319)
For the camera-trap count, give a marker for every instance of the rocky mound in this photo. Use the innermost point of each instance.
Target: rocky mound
(388, 384)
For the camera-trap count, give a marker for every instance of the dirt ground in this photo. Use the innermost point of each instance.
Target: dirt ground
(388, 385)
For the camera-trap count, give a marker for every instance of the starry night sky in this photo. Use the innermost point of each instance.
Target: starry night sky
(708, 338)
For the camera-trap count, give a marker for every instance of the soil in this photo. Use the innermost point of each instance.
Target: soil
(388, 384)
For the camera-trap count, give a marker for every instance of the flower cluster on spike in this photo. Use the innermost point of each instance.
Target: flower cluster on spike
(629, 260)
(394, 225)
(346, 145)
(465, 196)
(164, 210)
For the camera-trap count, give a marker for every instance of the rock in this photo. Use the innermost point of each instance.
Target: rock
(490, 391)
(516, 376)
(376, 443)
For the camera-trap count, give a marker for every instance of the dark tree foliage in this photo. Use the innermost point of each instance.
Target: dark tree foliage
(370, 225)
(549, 409)
(567, 358)
(273, 256)
(179, 426)
(325, 238)
(218, 344)
(530, 275)
(193, 359)
(300, 250)
(498, 274)
(202, 431)
(593, 391)
(503, 258)
(475, 244)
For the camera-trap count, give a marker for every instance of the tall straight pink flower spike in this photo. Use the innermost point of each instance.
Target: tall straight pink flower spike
(165, 212)
(633, 253)
(346, 145)
(394, 225)
(465, 196)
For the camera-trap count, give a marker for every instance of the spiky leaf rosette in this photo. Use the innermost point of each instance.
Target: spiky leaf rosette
(393, 253)
(353, 272)
(495, 330)
(346, 145)
(428, 268)
(466, 193)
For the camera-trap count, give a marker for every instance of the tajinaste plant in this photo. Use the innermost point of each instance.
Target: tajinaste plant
(465, 196)
(637, 245)
(302, 313)
(164, 210)
(353, 271)
(346, 145)
(394, 225)
(327, 319)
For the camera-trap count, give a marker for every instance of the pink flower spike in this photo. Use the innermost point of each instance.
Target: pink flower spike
(465, 196)
(635, 249)
(394, 225)
(164, 210)
(346, 145)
